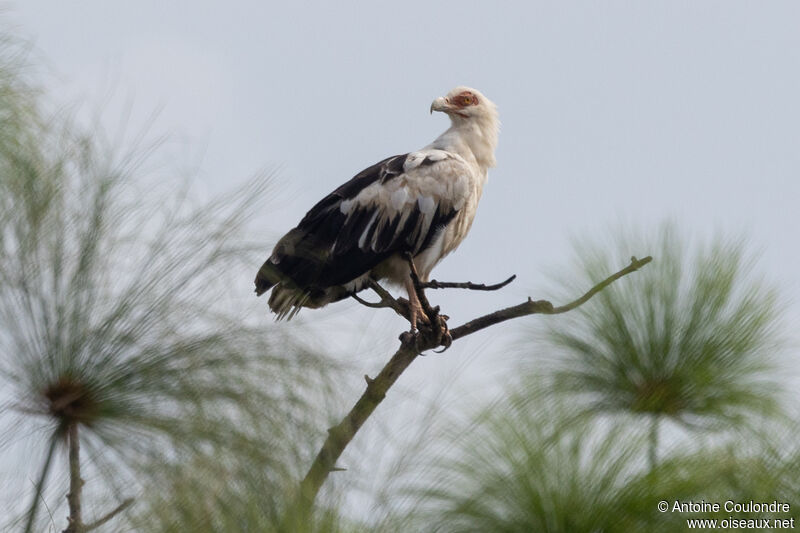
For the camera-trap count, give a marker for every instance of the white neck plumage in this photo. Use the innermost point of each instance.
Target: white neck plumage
(472, 138)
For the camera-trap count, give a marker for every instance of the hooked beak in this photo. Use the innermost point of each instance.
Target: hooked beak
(440, 104)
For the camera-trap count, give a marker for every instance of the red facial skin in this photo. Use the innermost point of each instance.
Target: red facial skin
(463, 100)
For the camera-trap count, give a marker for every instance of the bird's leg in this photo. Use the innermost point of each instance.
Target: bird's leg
(415, 308)
(436, 322)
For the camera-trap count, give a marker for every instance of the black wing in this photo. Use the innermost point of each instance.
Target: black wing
(354, 228)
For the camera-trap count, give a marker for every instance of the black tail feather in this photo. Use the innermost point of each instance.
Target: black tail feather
(268, 275)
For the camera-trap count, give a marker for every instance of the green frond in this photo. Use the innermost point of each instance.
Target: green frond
(119, 314)
(693, 337)
(206, 495)
(534, 461)
(523, 466)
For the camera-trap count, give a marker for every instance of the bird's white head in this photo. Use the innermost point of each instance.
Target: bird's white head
(465, 103)
(474, 119)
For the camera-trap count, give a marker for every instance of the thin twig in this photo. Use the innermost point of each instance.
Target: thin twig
(75, 520)
(635, 265)
(374, 305)
(434, 284)
(531, 307)
(398, 305)
(411, 346)
(108, 516)
(40, 484)
(385, 296)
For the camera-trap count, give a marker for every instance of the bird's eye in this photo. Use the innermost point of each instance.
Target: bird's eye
(466, 99)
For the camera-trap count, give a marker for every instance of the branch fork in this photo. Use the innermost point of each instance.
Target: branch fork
(435, 328)
(412, 345)
(75, 522)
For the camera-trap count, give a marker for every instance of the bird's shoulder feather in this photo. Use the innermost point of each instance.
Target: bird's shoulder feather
(397, 205)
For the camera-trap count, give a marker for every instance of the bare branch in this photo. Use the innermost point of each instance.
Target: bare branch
(387, 298)
(108, 516)
(40, 484)
(399, 305)
(75, 521)
(374, 305)
(339, 436)
(543, 306)
(433, 284)
(411, 346)
(635, 265)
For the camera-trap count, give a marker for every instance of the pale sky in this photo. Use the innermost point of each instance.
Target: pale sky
(612, 112)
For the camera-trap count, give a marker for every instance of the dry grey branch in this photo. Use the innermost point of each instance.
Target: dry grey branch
(75, 482)
(543, 306)
(411, 346)
(399, 305)
(108, 516)
(434, 284)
